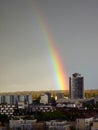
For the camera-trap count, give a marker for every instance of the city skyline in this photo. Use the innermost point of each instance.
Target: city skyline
(24, 57)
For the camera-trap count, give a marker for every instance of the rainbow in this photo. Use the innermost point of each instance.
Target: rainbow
(60, 77)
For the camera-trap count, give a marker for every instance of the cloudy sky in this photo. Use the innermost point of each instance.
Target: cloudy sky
(73, 25)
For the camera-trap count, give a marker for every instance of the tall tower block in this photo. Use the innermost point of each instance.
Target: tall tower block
(76, 86)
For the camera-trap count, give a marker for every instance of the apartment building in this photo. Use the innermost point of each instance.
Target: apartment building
(57, 125)
(84, 123)
(7, 109)
(14, 99)
(76, 86)
(95, 124)
(45, 98)
(3, 128)
(41, 108)
(21, 124)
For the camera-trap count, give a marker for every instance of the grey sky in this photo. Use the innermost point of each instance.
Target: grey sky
(23, 61)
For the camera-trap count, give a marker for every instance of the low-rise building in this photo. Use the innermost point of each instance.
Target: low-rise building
(57, 125)
(3, 128)
(39, 126)
(95, 124)
(59, 96)
(21, 124)
(96, 99)
(14, 99)
(7, 109)
(45, 98)
(41, 108)
(84, 123)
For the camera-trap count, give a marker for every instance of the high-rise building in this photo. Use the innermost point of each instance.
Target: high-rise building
(76, 86)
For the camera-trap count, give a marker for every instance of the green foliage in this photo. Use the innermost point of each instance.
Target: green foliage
(91, 93)
(50, 116)
(37, 100)
(28, 117)
(57, 115)
(4, 119)
(72, 128)
(18, 112)
(53, 101)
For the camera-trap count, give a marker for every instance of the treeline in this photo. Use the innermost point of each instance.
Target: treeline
(36, 94)
(87, 93)
(91, 93)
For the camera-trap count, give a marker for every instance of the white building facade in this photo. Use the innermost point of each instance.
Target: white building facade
(44, 99)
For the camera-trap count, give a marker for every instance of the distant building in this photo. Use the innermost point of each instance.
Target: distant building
(39, 126)
(21, 124)
(0, 99)
(76, 86)
(14, 99)
(21, 98)
(3, 128)
(7, 109)
(59, 96)
(84, 123)
(21, 105)
(96, 99)
(57, 125)
(95, 124)
(3, 99)
(7, 98)
(45, 98)
(49, 97)
(41, 108)
(28, 99)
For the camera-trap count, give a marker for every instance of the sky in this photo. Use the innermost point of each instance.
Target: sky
(73, 24)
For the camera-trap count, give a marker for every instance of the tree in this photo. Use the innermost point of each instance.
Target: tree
(4, 119)
(53, 102)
